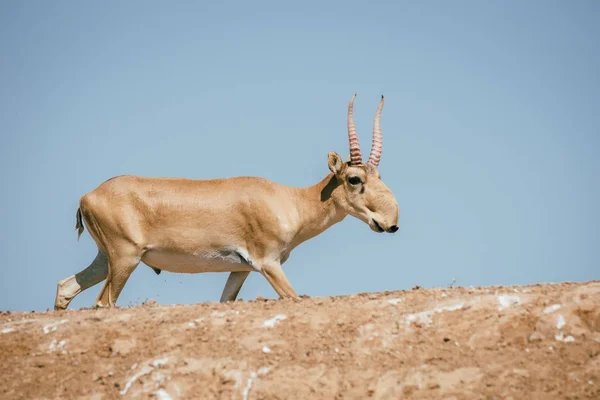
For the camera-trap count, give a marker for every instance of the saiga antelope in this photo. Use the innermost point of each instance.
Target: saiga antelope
(236, 225)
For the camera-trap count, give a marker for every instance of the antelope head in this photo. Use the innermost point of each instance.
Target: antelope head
(361, 192)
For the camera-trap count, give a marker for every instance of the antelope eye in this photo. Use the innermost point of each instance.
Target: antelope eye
(354, 180)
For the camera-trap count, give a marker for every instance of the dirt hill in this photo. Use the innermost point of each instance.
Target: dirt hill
(519, 342)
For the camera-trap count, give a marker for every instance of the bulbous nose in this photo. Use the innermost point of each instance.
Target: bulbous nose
(393, 228)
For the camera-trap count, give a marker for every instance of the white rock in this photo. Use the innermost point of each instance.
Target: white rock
(52, 327)
(54, 345)
(162, 394)
(160, 362)
(146, 369)
(270, 323)
(218, 314)
(251, 378)
(265, 349)
(560, 322)
(552, 308)
(507, 301)
(425, 317)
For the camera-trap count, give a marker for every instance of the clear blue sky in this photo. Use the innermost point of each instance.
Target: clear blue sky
(491, 132)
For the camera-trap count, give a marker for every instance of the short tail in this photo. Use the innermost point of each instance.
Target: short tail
(79, 224)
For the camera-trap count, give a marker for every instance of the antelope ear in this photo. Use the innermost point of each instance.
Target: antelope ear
(348, 159)
(334, 162)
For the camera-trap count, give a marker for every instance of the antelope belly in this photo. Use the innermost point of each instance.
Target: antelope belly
(222, 260)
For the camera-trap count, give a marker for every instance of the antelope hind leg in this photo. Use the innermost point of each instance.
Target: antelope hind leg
(120, 268)
(68, 288)
(233, 285)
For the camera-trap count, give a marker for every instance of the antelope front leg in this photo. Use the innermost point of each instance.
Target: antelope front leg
(278, 281)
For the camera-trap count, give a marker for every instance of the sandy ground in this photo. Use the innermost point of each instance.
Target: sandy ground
(519, 342)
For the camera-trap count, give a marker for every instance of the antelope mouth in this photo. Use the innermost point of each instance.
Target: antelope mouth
(377, 227)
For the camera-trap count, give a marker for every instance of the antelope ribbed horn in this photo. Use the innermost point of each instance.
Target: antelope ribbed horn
(376, 146)
(355, 157)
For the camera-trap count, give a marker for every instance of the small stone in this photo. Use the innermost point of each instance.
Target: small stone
(560, 322)
(552, 308)
(536, 337)
(569, 339)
